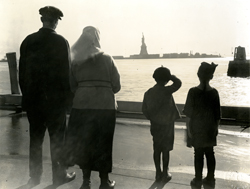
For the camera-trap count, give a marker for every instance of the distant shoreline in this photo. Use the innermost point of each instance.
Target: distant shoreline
(121, 57)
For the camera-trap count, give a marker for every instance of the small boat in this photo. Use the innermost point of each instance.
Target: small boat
(240, 66)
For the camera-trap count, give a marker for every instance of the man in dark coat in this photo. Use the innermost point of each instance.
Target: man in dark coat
(44, 82)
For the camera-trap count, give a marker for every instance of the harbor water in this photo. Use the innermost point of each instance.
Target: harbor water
(136, 78)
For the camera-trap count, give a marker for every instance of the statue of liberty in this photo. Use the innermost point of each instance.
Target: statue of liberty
(143, 47)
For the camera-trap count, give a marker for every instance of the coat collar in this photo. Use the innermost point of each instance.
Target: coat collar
(47, 30)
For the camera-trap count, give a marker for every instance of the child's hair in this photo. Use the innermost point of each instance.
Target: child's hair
(162, 74)
(205, 72)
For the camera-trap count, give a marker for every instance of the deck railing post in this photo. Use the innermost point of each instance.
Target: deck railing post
(12, 62)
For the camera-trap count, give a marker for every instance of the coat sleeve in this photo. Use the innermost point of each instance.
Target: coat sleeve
(217, 107)
(144, 107)
(63, 57)
(175, 86)
(115, 78)
(22, 66)
(188, 107)
(73, 82)
(66, 61)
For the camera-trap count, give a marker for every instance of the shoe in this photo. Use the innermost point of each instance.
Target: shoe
(158, 176)
(86, 184)
(62, 180)
(108, 184)
(196, 183)
(166, 177)
(208, 182)
(33, 181)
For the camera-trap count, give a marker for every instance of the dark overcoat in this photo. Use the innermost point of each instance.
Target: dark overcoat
(44, 70)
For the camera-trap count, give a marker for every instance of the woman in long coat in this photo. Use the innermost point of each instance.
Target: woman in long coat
(94, 81)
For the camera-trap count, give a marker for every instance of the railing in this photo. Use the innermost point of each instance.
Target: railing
(231, 115)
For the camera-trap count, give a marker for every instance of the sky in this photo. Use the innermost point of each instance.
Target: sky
(169, 26)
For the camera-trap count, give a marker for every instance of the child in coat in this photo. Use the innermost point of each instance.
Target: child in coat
(202, 108)
(159, 107)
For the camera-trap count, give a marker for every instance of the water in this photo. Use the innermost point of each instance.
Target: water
(136, 78)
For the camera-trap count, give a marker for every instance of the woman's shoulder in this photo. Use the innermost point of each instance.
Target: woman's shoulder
(105, 56)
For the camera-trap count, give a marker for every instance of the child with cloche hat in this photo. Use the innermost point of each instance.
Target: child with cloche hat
(202, 109)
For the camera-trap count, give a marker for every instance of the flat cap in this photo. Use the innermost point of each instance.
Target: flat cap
(50, 11)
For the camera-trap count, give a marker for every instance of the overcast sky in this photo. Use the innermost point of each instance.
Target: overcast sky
(204, 26)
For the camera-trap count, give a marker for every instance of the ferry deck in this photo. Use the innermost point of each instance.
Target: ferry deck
(133, 165)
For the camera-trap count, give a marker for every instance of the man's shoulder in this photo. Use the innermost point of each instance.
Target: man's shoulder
(42, 32)
(50, 33)
(31, 35)
(51, 38)
(59, 36)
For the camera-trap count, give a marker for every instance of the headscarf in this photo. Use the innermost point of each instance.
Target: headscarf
(87, 45)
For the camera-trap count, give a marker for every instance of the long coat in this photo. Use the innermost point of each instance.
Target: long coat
(44, 69)
(94, 82)
(203, 109)
(89, 137)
